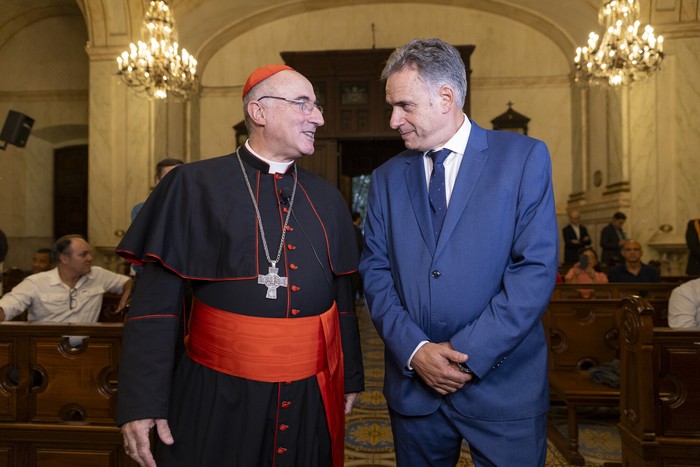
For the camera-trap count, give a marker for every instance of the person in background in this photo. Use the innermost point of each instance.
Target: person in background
(684, 305)
(459, 261)
(162, 168)
(69, 293)
(41, 260)
(586, 270)
(692, 239)
(273, 358)
(611, 238)
(575, 237)
(632, 269)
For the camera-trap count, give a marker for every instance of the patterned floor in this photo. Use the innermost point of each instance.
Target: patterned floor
(368, 439)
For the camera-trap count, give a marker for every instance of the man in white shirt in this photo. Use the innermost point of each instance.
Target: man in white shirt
(71, 292)
(684, 305)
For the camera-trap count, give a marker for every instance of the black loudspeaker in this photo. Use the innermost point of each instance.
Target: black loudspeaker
(16, 129)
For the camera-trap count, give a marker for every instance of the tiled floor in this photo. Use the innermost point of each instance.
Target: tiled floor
(368, 434)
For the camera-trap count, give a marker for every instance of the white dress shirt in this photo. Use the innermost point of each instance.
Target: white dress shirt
(684, 305)
(457, 144)
(49, 299)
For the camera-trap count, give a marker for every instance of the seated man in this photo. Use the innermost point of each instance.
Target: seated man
(41, 260)
(633, 270)
(71, 292)
(684, 305)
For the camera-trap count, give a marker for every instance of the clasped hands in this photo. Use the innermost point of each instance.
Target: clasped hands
(438, 365)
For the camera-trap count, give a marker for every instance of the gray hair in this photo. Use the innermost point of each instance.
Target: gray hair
(436, 61)
(254, 94)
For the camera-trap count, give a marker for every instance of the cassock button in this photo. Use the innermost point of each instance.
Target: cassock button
(281, 450)
(436, 274)
(289, 228)
(295, 288)
(285, 209)
(283, 427)
(286, 404)
(291, 247)
(278, 176)
(293, 266)
(295, 311)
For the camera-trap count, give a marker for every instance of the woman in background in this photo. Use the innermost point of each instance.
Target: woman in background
(587, 270)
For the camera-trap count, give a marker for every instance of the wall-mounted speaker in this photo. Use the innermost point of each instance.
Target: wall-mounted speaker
(16, 129)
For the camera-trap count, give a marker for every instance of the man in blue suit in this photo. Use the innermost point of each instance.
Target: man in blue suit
(458, 299)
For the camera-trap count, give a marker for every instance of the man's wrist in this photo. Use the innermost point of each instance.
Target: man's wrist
(420, 344)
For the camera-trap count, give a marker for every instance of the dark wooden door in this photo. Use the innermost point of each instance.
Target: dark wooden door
(70, 191)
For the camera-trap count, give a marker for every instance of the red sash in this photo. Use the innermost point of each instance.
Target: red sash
(275, 350)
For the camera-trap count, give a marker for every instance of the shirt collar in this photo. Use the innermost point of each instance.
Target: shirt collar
(55, 278)
(458, 142)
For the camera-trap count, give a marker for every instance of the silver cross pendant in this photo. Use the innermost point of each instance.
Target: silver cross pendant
(272, 280)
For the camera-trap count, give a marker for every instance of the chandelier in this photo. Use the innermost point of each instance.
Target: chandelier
(157, 65)
(622, 56)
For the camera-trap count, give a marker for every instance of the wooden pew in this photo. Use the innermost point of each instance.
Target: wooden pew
(615, 290)
(657, 292)
(57, 401)
(108, 312)
(581, 333)
(660, 390)
(11, 278)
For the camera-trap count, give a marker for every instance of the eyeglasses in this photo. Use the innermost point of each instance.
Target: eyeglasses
(73, 301)
(305, 105)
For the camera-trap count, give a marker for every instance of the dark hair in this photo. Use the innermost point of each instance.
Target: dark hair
(44, 251)
(356, 215)
(62, 246)
(619, 215)
(167, 162)
(436, 61)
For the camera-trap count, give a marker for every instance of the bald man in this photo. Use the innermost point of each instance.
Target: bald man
(575, 237)
(632, 269)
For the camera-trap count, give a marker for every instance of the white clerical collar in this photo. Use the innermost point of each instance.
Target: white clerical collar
(274, 167)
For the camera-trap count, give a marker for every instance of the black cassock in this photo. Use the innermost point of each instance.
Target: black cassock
(199, 224)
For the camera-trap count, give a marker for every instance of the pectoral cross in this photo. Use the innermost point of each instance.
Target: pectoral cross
(272, 280)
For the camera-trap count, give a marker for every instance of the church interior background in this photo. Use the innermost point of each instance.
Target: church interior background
(633, 149)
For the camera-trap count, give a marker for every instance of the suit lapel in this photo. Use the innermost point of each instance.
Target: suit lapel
(418, 194)
(475, 157)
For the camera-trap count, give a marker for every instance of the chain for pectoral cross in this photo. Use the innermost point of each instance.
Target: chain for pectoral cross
(271, 280)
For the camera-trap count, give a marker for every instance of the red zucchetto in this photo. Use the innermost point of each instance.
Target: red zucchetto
(262, 74)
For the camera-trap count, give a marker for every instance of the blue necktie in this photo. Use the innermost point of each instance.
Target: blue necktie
(436, 190)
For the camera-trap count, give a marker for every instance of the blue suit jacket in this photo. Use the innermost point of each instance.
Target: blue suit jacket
(497, 261)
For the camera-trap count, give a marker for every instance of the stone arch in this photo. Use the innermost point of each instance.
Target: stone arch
(528, 17)
(26, 19)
